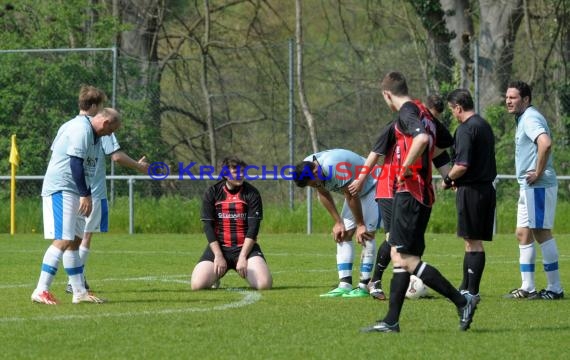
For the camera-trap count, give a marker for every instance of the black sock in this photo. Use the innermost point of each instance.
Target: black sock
(476, 264)
(382, 261)
(433, 278)
(346, 279)
(398, 287)
(465, 281)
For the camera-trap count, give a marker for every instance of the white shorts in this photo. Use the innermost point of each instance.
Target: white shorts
(370, 213)
(61, 216)
(98, 221)
(537, 208)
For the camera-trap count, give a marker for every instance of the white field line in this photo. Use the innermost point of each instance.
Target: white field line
(249, 297)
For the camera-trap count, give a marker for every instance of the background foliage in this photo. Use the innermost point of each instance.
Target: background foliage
(199, 80)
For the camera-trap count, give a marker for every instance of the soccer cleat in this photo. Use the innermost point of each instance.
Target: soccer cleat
(375, 290)
(356, 293)
(381, 326)
(467, 312)
(216, 285)
(520, 294)
(69, 288)
(547, 295)
(336, 292)
(44, 297)
(87, 297)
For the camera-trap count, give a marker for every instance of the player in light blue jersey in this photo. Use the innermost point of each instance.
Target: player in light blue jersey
(537, 196)
(98, 220)
(332, 171)
(66, 194)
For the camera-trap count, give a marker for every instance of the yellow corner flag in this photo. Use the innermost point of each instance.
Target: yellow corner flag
(15, 161)
(14, 155)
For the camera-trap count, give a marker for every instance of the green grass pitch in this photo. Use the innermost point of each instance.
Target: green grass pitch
(152, 314)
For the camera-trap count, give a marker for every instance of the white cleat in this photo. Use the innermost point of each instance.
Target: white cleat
(87, 298)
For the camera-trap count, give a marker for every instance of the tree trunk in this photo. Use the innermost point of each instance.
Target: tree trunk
(440, 68)
(300, 83)
(204, 85)
(459, 23)
(500, 20)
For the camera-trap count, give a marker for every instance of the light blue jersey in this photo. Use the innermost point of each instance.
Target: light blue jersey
(74, 138)
(529, 126)
(109, 145)
(340, 168)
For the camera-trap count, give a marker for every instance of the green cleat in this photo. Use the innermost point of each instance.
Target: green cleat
(356, 293)
(335, 292)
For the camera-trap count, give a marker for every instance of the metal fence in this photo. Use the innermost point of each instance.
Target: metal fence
(193, 189)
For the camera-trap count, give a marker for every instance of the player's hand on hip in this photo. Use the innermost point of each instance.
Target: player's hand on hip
(531, 177)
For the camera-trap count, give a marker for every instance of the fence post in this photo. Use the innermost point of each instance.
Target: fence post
(291, 119)
(309, 210)
(131, 206)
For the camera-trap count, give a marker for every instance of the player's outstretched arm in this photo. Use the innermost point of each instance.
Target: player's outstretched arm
(125, 160)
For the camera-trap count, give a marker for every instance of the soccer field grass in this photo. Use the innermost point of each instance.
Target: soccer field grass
(151, 314)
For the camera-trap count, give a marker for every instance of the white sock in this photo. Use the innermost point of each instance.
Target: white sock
(83, 255)
(74, 269)
(550, 263)
(344, 258)
(367, 259)
(49, 268)
(526, 261)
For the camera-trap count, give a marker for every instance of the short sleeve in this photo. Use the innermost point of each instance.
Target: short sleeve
(79, 135)
(385, 140)
(110, 144)
(409, 120)
(463, 146)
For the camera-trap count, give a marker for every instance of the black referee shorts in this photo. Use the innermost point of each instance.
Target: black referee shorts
(409, 223)
(476, 211)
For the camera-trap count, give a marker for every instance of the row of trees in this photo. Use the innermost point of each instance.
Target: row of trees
(197, 80)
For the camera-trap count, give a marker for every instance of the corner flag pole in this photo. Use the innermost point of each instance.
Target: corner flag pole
(14, 162)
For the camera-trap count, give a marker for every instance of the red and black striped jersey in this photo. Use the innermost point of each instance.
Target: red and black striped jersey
(232, 213)
(386, 146)
(414, 119)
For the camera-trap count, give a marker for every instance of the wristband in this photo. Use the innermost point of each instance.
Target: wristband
(447, 180)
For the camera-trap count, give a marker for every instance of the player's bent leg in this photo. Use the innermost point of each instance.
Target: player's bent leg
(203, 276)
(258, 274)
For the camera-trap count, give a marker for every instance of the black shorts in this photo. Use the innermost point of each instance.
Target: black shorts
(476, 211)
(385, 206)
(231, 255)
(409, 223)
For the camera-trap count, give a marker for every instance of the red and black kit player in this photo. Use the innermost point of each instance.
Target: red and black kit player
(232, 210)
(415, 139)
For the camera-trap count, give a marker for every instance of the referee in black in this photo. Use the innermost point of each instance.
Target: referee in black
(473, 172)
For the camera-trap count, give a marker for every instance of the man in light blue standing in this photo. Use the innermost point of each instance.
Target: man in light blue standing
(537, 196)
(66, 194)
(332, 171)
(98, 220)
